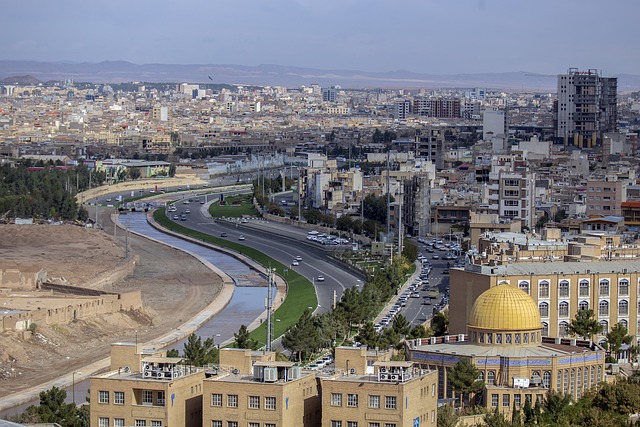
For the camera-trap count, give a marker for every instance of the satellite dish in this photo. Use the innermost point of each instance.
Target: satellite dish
(127, 369)
(235, 372)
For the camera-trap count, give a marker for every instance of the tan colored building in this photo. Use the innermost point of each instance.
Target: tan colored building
(275, 394)
(395, 395)
(516, 362)
(359, 360)
(559, 290)
(151, 391)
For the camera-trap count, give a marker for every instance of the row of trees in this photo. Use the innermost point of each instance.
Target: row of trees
(352, 317)
(585, 325)
(47, 193)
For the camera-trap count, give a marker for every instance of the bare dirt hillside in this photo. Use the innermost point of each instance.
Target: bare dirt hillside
(174, 287)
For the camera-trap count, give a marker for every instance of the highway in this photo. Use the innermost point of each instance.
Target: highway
(282, 243)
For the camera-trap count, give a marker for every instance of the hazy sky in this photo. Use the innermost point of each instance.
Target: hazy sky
(425, 36)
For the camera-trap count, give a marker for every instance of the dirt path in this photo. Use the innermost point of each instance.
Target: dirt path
(174, 288)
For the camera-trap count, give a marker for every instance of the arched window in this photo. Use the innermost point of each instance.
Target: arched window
(481, 376)
(524, 285)
(624, 323)
(544, 309)
(623, 308)
(563, 289)
(543, 289)
(563, 329)
(583, 305)
(584, 288)
(546, 379)
(491, 377)
(605, 326)
(563, 309)
(604, 288)
(603, 308)
(545, 329)
(623, 287)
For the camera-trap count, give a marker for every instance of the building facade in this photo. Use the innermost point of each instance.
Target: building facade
(517, 363)
(587, 107)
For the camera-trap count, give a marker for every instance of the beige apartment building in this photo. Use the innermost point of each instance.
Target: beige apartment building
(395, 395)
(605, 197)
(275, 394)
(146, 391)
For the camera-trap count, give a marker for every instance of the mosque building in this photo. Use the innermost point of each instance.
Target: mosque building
(504, 341)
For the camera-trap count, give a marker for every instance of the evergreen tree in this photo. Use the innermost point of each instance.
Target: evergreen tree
(447, 416)
(464, 379)
(199, 353)
(243, 340)
(585, 324)
(617, 337)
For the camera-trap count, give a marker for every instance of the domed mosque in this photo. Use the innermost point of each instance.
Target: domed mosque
(504, 341)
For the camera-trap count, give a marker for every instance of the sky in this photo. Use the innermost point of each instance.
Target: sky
(422, 36)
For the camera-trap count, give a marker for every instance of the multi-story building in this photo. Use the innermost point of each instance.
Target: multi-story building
(559, 290)
(146, 391)
(511, 195)
(445, 108)
(275, 394)
(586, 107)
(504, 338)
(402, 109)
(416, 206)
(329, 94)
(430, 146)
(605, 198)
(395, 394)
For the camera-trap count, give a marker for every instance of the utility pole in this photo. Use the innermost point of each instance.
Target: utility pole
(400, 233)
(388, 195)
(126, 243)
(299, 190)
(269, 303)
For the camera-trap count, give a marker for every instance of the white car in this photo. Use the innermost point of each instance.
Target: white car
(298, 258)
(241, 237)
(320, 278)
(295, 262)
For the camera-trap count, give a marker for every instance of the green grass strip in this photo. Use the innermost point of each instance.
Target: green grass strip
(230, 210)
(301, 293)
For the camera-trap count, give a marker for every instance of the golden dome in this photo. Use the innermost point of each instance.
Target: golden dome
(504, 308)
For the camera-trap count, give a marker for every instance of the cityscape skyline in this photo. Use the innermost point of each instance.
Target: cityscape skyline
(424, 37)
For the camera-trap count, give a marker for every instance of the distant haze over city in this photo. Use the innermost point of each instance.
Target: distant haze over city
(264, 75)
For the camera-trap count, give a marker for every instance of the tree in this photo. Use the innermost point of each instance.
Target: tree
(585, 324)
(496, 419)
(440, 323)
(134, 173)
(199, 353)
(52, 409)
(242, 339)
(410, 251)
(401, 325)
(447, 416)
(173, 353)
(419, 331)
(622, 397)
(617, 337)
(304, 337)
(172, 170)
(464, 379)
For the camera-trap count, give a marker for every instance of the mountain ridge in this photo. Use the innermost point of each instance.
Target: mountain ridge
(116, 71)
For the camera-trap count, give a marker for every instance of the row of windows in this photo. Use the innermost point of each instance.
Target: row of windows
(505, 338)
(118, 397)
(390, 402)
(563, 327)
(219, 423)
(517, 399)
(335, 423)
(584, 288)
(119, 422)
(603, 308)
(252, 403)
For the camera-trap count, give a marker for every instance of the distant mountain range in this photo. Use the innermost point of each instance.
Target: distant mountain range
(265, 75)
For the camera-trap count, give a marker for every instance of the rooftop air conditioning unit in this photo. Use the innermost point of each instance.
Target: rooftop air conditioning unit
(270, 375)
(147, 374)
(384, 377)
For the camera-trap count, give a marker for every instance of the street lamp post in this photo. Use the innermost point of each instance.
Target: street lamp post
(73, 385)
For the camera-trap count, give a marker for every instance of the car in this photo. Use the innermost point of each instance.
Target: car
(188, 211)
(202, 202)
(313, 232)
(435, 257)
(320, 278)
(176, 216)
(295, 262)
(243, 221)
(185, 202)
(183, 217)
(298, 258)
(241, 237)
(223, 234)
